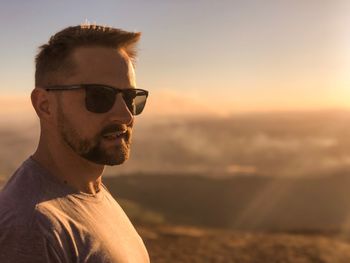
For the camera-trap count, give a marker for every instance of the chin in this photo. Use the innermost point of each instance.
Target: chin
(116, 157)
(109, 161)
(117, 160)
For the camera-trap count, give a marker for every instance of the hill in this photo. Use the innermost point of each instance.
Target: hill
(179, 244)
(241, 202)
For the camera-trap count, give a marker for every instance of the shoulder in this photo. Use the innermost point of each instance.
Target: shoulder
(31, 216)
(21, 244)
(28, 235)
(19, 197)
(28, 198)
(22, 238)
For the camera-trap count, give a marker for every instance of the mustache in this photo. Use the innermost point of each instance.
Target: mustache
(115, 128)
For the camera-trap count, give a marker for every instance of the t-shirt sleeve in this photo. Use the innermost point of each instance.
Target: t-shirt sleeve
(21, 245)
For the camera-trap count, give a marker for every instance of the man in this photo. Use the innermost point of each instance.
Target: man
(55, 207)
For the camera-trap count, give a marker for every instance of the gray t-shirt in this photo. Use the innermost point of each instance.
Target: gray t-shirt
(42, 220)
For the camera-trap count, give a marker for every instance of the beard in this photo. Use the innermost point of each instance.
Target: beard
(94, 149)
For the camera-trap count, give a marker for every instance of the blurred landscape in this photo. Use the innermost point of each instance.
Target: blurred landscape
(253, 187)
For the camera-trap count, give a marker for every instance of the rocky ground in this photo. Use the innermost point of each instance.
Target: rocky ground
(167, 244)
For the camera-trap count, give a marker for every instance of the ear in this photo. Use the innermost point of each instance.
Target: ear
(41, 103)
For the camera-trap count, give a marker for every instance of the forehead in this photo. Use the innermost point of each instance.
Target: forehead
(101, 65)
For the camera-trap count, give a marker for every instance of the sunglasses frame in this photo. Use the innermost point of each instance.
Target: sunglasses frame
(86, 86)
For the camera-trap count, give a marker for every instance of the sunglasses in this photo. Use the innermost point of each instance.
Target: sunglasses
(101, 98)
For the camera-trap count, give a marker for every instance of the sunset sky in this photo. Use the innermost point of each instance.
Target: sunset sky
(225, 56)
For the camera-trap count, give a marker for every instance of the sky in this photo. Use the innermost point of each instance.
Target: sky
(204, 55)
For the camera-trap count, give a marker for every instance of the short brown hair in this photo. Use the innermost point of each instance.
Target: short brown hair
(53, 57)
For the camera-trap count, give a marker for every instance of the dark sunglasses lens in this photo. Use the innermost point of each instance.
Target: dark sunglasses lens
(135, 100)
(99, 99)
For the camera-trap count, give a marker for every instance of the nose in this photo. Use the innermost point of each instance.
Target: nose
(120, 112)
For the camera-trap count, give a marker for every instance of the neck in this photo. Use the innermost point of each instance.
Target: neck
(68, 167)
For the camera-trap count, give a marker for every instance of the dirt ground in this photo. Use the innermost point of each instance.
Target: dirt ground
(181, 244)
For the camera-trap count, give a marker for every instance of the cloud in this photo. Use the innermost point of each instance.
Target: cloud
(174, 103)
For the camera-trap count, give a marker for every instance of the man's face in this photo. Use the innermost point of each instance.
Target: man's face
(102, 138)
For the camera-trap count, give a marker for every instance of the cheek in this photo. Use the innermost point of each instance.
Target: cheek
(92, 128)
(79, 119)
(88, 127)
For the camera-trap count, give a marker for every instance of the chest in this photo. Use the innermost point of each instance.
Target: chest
(99, 233)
